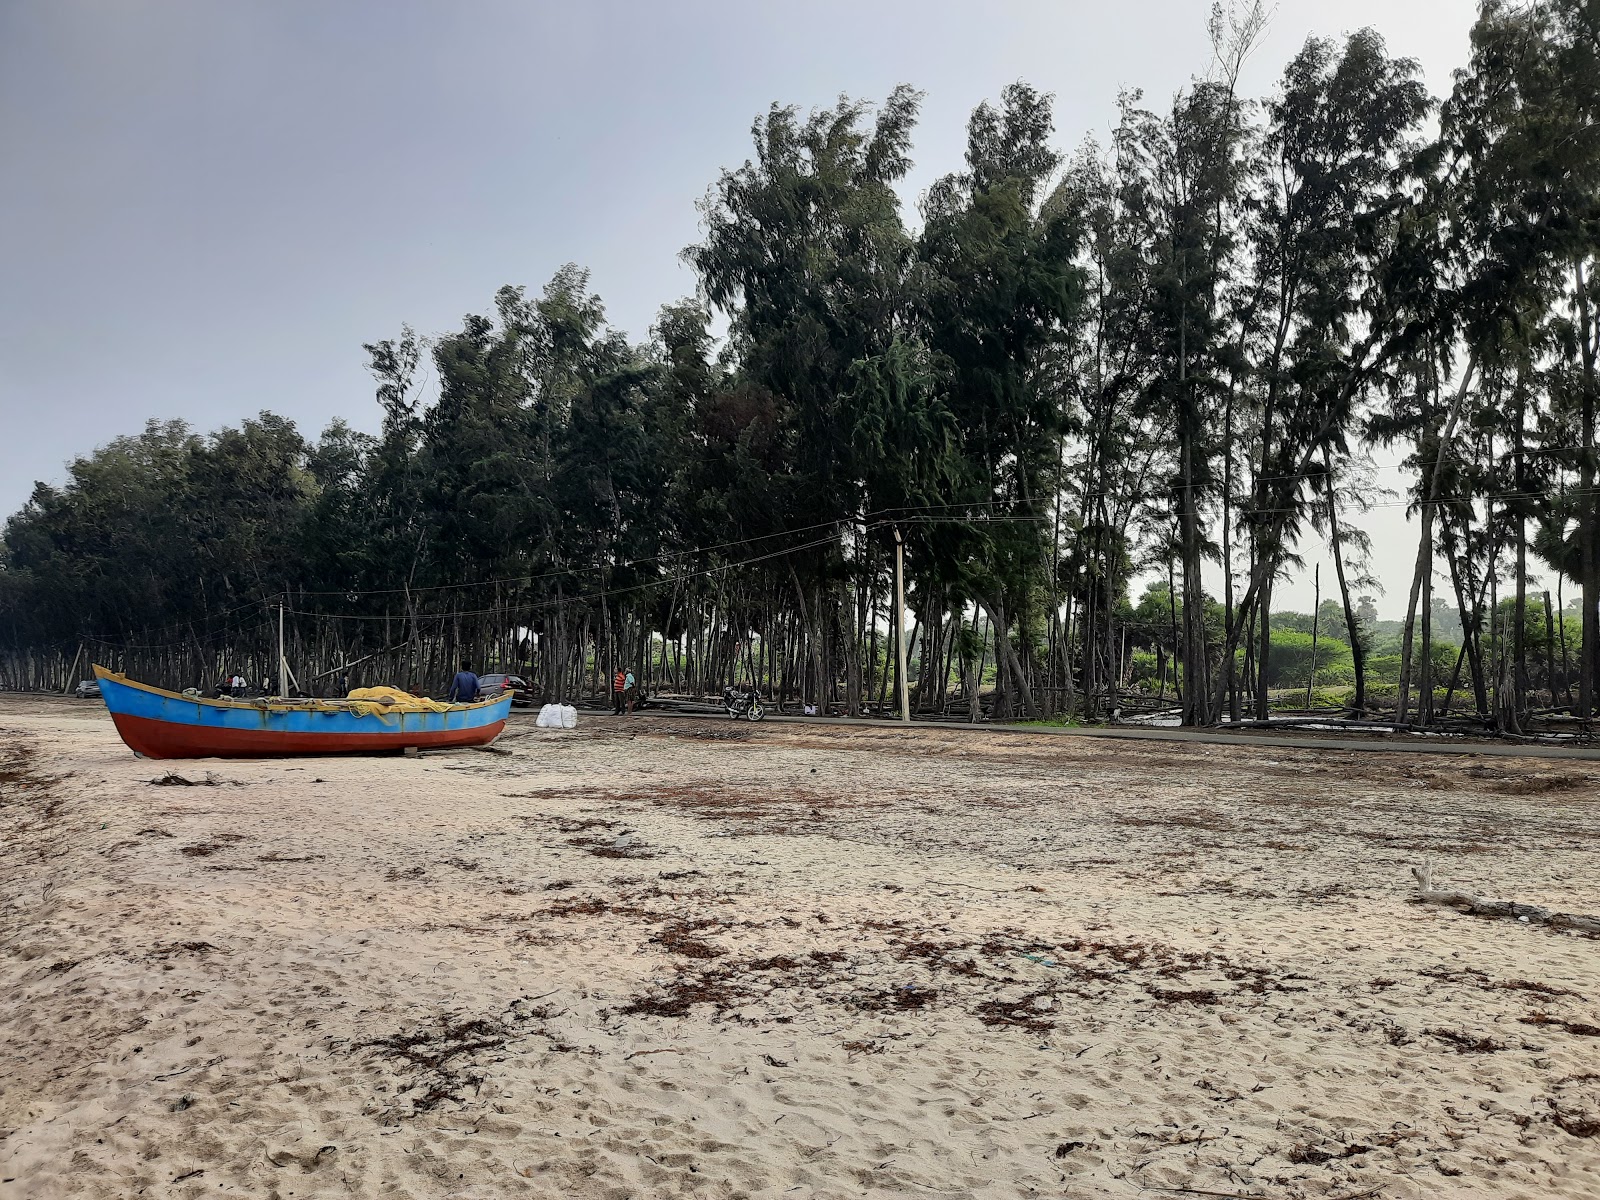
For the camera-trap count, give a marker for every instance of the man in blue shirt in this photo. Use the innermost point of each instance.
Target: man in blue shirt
(464, 687)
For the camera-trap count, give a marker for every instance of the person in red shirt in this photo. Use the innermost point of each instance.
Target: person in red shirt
(619, 691)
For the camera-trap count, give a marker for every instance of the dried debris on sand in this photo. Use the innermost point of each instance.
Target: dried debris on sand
(798, 960)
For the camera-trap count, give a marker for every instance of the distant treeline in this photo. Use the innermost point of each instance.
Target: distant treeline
(1067, 372)
(1312, 659)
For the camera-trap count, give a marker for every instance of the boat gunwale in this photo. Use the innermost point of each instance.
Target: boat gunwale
(279, 704)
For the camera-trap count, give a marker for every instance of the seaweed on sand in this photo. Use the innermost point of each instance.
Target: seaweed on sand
(898, 999)
(677, 938)
(716, 988)
(1581, 1028)
(1022, 1012)
(1466, 1043)
(442, 1055)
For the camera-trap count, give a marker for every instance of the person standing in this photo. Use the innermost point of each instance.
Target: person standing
(631, 686)
(619, 690)
(464, 687)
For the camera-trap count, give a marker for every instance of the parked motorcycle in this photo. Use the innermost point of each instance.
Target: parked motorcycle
(744, 703)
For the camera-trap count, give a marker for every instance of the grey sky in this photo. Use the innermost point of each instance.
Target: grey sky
(206, 207)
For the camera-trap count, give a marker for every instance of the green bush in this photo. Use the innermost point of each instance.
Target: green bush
(1385, 668)
(1290, 662)
(1144, 672)
(1322, 697)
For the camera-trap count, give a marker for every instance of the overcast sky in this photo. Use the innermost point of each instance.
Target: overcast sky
(206, 207)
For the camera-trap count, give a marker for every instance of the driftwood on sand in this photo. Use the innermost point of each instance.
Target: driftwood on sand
(1484, 907)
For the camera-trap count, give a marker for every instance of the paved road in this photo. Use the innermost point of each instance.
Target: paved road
(1376, 743)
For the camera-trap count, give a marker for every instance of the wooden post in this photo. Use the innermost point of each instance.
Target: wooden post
(900, 624)
(73, 669)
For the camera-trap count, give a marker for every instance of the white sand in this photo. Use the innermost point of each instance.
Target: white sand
(940, 964)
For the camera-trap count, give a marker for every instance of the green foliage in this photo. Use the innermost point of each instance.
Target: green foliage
(997, 284)
(1334, 696)
(1144, 670)
(164, 527)
(1291, 661)
(1329, 620)
(1385, 668)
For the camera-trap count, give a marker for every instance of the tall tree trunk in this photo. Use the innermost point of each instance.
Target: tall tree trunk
(974, 675)
(1006, 656)
(1505, 716)
(1316, 628)
(1470, 606)
(1423, 567)
(1455, 679)
(813, 648)
(1197, 691)
(888, 666)
(1519, 677)
(1425, 667)
(1172, 621)
(851, 646)
(1430, 497)
(1229, 664)
(1549, 650)
(1264, 650)
(1589, 506)
(1352, 623)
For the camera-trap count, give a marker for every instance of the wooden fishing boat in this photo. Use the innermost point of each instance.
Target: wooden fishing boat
(161, 724)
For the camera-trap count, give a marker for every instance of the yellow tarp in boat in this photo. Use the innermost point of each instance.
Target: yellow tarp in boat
(380, 700)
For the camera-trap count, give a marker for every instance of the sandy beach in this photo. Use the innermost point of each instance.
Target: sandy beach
(656, 957)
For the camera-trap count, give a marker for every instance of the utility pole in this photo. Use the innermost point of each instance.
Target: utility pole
(283, 663)
(900, 623)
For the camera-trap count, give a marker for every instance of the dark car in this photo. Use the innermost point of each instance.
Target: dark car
(87, 689)
(521, 692)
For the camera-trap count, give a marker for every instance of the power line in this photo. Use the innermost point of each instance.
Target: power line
(538, 605)
(207, 623)
(576, 570)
